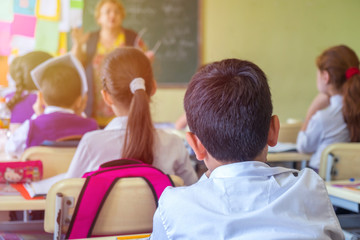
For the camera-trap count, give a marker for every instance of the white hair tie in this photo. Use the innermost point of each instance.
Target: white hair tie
(136, 84)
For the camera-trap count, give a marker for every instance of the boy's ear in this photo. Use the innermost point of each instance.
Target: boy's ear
(196, 145)
(107, 98)
(273, 131)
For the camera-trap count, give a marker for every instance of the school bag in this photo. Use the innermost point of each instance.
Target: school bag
(98, 185)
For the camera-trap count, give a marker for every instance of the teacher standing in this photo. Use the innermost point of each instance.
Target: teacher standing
(91, 48)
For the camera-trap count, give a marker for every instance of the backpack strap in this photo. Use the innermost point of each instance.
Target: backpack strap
(92, 197)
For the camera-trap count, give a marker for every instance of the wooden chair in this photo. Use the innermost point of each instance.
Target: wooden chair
(289, 131)
(129, 207)
(340, 161)
(55, 160)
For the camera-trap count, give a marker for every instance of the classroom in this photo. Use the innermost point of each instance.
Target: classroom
(283, 38)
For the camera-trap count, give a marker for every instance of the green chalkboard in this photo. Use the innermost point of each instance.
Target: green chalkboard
(173, 23)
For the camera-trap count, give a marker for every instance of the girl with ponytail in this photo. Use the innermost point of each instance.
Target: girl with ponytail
(334, 115)
(128, 84)
(21, 101)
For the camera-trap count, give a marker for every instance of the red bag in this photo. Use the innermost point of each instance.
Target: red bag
(21, 172)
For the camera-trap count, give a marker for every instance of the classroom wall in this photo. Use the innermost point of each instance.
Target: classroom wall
(282, 36)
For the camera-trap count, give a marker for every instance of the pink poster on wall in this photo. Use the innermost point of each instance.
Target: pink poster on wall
(23, 25)
(5, 38)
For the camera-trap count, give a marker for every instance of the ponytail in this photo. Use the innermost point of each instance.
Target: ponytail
(139, 137)
(351, 107)
(127, 76)
(17, 96)
(16, 72)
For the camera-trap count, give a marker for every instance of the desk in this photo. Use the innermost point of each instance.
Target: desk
(343, 197)
(18, 203)
(350, 200)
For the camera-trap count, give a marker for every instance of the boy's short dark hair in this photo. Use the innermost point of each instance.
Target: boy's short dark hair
(60, 85)
(228, 107)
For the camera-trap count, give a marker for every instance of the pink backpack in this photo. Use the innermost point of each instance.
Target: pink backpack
(98, 185)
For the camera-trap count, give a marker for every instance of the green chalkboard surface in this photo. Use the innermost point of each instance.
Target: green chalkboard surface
(172, 23)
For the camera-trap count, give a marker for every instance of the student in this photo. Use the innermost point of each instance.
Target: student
(128, 84)
(60, 101)
(229, 113)
(21, 101)
(334, 115)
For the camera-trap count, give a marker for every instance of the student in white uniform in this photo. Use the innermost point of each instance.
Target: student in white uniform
(128, 83)
(229, 113)
(334, 115)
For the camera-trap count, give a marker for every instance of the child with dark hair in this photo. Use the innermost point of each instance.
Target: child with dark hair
(334, 115)
(229, 113)
(21, 101)
(60, 102)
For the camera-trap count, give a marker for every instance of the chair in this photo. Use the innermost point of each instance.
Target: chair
(340, 161)
(129, 207)
(55, 160)
(289, 131)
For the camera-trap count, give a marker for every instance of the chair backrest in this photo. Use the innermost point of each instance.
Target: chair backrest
(129, 207)
(340, 161)
(55, 160)
(289, 131)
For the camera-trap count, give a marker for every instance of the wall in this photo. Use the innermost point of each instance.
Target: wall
(283, 37)
(167, 104)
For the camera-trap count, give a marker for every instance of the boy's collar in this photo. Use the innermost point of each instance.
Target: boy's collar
(51, 109)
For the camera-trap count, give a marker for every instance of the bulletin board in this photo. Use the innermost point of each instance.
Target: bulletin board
(169, 27)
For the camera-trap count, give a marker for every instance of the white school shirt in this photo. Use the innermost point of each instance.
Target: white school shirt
(100, 146)
(326, 126)
(248, 200)
(16, 144)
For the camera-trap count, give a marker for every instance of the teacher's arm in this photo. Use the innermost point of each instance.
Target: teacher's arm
(79, 39)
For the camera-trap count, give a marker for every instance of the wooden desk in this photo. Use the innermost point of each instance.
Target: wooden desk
(343, 197)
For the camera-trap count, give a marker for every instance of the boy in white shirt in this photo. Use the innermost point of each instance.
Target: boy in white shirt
(229, 112)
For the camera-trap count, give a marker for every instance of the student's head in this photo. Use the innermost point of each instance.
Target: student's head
(20, 69)
(60, 86)
(342, 66)
(109, 13)
(228, 107)
(122, 68)
(335, 61)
